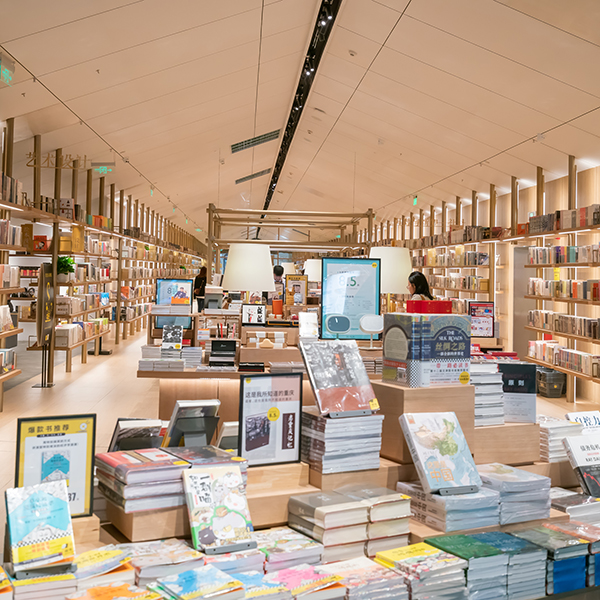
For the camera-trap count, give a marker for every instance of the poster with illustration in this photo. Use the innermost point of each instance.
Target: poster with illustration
(218, 509)
(270, 418)
(295, 289)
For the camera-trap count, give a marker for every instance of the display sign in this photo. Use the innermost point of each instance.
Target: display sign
(350, 288)
(45, 305)
(174, 292)
(295, 289)
(270, 418)
(60, 447)
(482, 319)
(254, 314)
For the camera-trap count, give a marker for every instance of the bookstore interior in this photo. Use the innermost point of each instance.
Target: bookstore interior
(319, 288)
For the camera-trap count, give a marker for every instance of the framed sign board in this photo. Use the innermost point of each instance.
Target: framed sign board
(482, 319)
(61, 447)
(349, 290)
(254, 314)
(270, 418)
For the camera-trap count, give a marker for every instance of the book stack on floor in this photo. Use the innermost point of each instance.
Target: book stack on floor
(567, 564)
(489, 402)
(340, 445)
(524, 496)
(366, 579)
(428, 572)
(487, 571)
(526, 578)
(192, 356)
(453, 513)
(336, 521)
(552, 433)
(389, 516)
(282, 547)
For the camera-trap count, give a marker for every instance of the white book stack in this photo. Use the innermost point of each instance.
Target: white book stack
(150, 351)
(489, 402)
(552, 433)
(192, 356)
(288, 367)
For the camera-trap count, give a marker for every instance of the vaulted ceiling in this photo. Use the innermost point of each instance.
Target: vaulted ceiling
(424, 97)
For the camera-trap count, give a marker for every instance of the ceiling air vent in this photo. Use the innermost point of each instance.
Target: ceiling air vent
(253, 176)
(255, 141)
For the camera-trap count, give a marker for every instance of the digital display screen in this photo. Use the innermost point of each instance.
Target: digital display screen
(174, 292)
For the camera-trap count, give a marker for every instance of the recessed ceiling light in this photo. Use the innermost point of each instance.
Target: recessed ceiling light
(352, 53)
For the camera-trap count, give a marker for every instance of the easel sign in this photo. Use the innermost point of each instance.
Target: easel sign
(270, 418)
(61, 447)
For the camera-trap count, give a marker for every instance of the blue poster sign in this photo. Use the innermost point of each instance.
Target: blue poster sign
(350, 289)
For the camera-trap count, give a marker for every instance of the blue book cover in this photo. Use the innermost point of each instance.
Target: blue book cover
(509, 544)
(203, 582)
(256, 585)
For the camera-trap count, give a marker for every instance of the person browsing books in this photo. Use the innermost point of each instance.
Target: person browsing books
(200, 288)
(418, 286)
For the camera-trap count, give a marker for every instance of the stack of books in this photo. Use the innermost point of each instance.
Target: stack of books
(161, 364)
(389, 515)
(52, 587)
(567, 564)
(584, 456)
(336, 521)
(340, 445)
(552, 433)
(201, 582)
(524, 496)
(487, 571)
(373, 364)
(103, 566)
(237, 562)
(526, 564)
(453, 513)
(150, 351)
(489, 402)
(428, 571)
(192, 356)
(579, 507)
(366, 579)
(304, 581)
(287, 367)
(282, 547)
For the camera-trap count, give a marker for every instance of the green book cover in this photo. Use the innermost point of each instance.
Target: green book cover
(463, 546)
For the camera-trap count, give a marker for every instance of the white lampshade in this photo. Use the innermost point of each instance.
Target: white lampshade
(249, 268)
(396, 266)
(312, 268)
(289, 268)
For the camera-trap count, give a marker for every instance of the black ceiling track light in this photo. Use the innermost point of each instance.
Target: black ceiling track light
(321, 32)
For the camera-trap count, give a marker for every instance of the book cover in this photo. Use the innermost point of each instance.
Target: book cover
(302, 579)
(256, 585)
(338, 376)
(464, 546)
(583, 452)
(590, 419)
(551, 540)
(129, 429)
(39, 525)
(506, 543)
(115, 591)
(217, 506)
(421, 560)
(582, 531)
(138, 466)
(167, 552)
(572, 502)
(6, 587)
(99, 561)
(316, 507)
(504, 478)
(279, 543)
(172, 337)
(205, 456)
(56, 464)
(203, 582)
(439, 450)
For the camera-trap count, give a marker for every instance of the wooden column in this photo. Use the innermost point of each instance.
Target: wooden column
(431, 220)
(444, 217)
(539, 192)
(9, 148)
(75, 184)
(142, 218)
(571, 273)
(458, 212)
(421, 217)
(119, 268)
(411, 225)
(88, 194)
(514, 204)
(403, 227)
(101, 194)
(111, 212)
(54, 247)
(136, 214)
(492, 206)
(474, 209)
(37, 171)
(395, 233)
(57, 174)
(572, 188)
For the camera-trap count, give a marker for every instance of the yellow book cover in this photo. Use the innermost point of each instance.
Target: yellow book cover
(23, 584)
(5, 583)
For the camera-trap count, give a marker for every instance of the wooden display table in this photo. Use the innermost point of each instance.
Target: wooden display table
(86, 530)
(561, 473)
(509, 444)
(418, 531)
(396, 400)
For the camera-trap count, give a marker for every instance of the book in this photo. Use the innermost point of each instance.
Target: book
(558, 544)
(39, 525)
(50, 586)
(348, 534)
(329, 509)
(134, 505)
(99, 561)
(194, 417)
(507, 479)
(590, 419)
(583, 452)
(581, 531)
(464, 546)
(141, 466)
(304, 580)
(256, 585)
(140, 490)
(129, 432)
(124, 573)
(237, 562)
(284, 545)
(421, 560)
(439, 451)
(217, 507)
(172, 337)
(578, 506)
(115, 591)
(202, 582)
(511, 545)
(6, 588)
(206, 456)
(383, 503)
(338, 376)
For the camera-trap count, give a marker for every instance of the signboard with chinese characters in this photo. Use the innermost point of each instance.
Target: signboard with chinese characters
(519, 387)
(482, 319)
(61, 447)
(45, 305)
(350, 288)
(254, 314)
(270, 418)
(590, 419)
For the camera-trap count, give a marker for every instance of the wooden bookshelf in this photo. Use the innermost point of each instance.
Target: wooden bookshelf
(562, 265)
(543, 363)
(459, 290)
(15, 290)
(12, 248)
(6, 376)
(452, 267)
(569, 336)
(566, 300)
(10, 332)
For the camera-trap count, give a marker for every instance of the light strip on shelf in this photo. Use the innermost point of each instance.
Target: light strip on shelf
(10, 206)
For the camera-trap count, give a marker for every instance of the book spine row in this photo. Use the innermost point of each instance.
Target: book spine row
(578, 289)
(561, 323)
